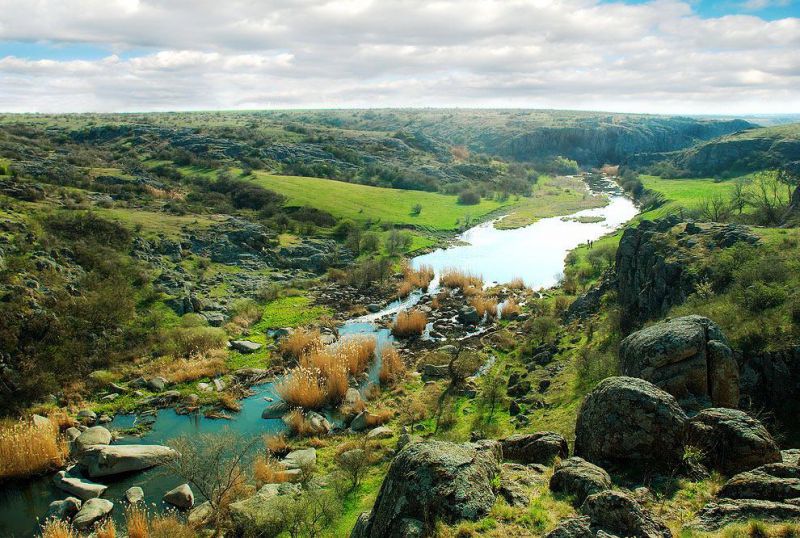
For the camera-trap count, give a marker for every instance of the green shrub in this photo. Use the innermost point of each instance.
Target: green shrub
(469, 197)
(760, 296)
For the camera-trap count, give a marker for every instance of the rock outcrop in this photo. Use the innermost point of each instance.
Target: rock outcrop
(433, 480)
(721, 512)
(630, 421)
(115, 459)
(539, 447)
(771, 482)
(688, 357)
(579, 478)
(731, 440)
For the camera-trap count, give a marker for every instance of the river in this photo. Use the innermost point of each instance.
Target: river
(536, 253)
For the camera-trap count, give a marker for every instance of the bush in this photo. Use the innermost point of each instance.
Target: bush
(397, 242)
(469, 197)
(195, 340)
(760, 296)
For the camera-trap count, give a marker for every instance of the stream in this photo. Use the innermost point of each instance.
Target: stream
(536, 253)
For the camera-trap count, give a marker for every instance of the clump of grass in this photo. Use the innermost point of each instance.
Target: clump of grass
(210, 364)
(409, 323)
(107, 529)
(485, 306)
(300, 342)
(516, 283)
(393, 368)
(298, 424)
(510, 309)
(379, 417)
(357, 352)
(55, 528)
(266, 470)
(335, 364)
(228, 401)
(303, 387)
(415, 279)
(26, 449)
(136, 522)
(276, 445)
(466, 282)
(169, 525)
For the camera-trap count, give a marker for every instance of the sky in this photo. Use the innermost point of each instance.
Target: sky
(732, 57)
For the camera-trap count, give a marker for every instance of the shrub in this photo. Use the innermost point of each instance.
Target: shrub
(510, 309)
(193, 341)
(298, 423)
(183, 370)
(169, 525)
(516, 283)
(409, 323)
(760, 296)
(301, 341)
(393, 368)
(397, 242)
(542, 329)
(26, 449)
(266, 470)
(469, 197)
(370, 242)
(276, 445)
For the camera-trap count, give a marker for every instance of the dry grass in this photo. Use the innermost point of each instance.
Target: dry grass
(379, 417)
(107, 529)
(277, 445)
(55, 528)
(300, 342)
(516, 284)
(136, 522)
(466, 282)
(357, 352)
(298, 424)
(416, 279)
(404, 289)
(210, 364)
(267, 470)
(409, 323)
(229, 401)
(393, 369)
(169, 525)
(303, 387)
(510, 309)
(27, 450)
(485, 306)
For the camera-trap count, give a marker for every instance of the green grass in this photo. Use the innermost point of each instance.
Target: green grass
(377, 204)
(685, 193)
(290, 312)
(153, 224)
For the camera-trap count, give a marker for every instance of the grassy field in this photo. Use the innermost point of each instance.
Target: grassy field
(685, 193)
(376, 204)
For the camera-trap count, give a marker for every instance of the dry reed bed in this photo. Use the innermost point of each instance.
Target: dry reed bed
(27, 450)
(470, 284)
(415, 279)
(510, 309)
(485, 306)
(393, 369)
(300, 342)
(409, 323)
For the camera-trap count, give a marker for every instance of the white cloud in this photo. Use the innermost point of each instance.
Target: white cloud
(653, 57)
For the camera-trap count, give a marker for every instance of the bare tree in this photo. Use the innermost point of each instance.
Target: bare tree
(715, 208)
(738, 196)
(766, 197)
(214, 465)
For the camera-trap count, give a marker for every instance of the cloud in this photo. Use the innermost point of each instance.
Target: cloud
(658, 56)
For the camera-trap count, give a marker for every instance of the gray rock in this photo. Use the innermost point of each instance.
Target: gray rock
(180, 497)
(731, 440)
(72, 433)
(627, 420)
(433, 480)
(156, 384)
(579, 478)
(373, 308)
(41, 422)
(791, 456)
(275, 410)
(134, 495)
(688, 357)
(200, 514)
(116, 459)
(63, 510)
(771, 482)
(78, 486)
(721, 512)
(468, 315)
(381, 432)
(87, 415)
(219, 385)
(574, 527)
(96, 435)
(618, 514)
(539, 447)
(299, 458)
(91, 512)
(435, 371)
(245, 346)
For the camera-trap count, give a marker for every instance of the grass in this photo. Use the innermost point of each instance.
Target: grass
(184, 370)
(393, 369)
(683, 193)
(510, 309)
(267, 470)
(409, 323)
(377, 204)
(463, 280)
(485, 306)
(300, 342)
(303, 387)
(291, 311)
(55, 528)
(27, 450)
(136, 522)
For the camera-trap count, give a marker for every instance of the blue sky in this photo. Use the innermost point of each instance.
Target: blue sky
(661, 56)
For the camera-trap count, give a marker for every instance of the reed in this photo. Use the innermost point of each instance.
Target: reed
(106, 529)
(301, 341)
(516, 283)
(303, 387)
(409, 323)
(26, 449)
(211, 364)
(379, 417)
(510, 309)
(276, 445)
(357, 352)
(298, 424)
(136, 522)
(266, 470)
(55, 528)
(393, 369)
(404, 289)
(485, 306)
(463, 280)
(169, 525)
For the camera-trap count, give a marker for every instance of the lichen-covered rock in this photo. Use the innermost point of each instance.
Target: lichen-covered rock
(261, 513)
(433, 480)
(180, 497)
(63, 510)
(78, 486)
(579, 478)
(688, 357)
(96, 435)
(732, 441)
(627, 420)
(574, 527)
(721, 512)
(771, 482)
(91, 512)
(618, 514)
(539, 447)
(116, 459)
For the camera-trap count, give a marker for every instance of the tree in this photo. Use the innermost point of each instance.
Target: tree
(469, 197)
(765, 197)
(213, 464)
(543, 328)
(492, 392)
(354, 464)
(308, 512)
(370, 242)
(353, 241)
(738, 196)
(715, 208)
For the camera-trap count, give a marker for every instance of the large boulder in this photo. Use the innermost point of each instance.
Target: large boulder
(261, 514)
(579, 478)
(731, 440)
(63, 510)
(771, 482)
(78, 486)
(721, 512)
(630, 421)
(539, 447)
(434, 480)
(116, 459)
(96, 435)
(91, 512)
(611, 513)
(688, 357)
